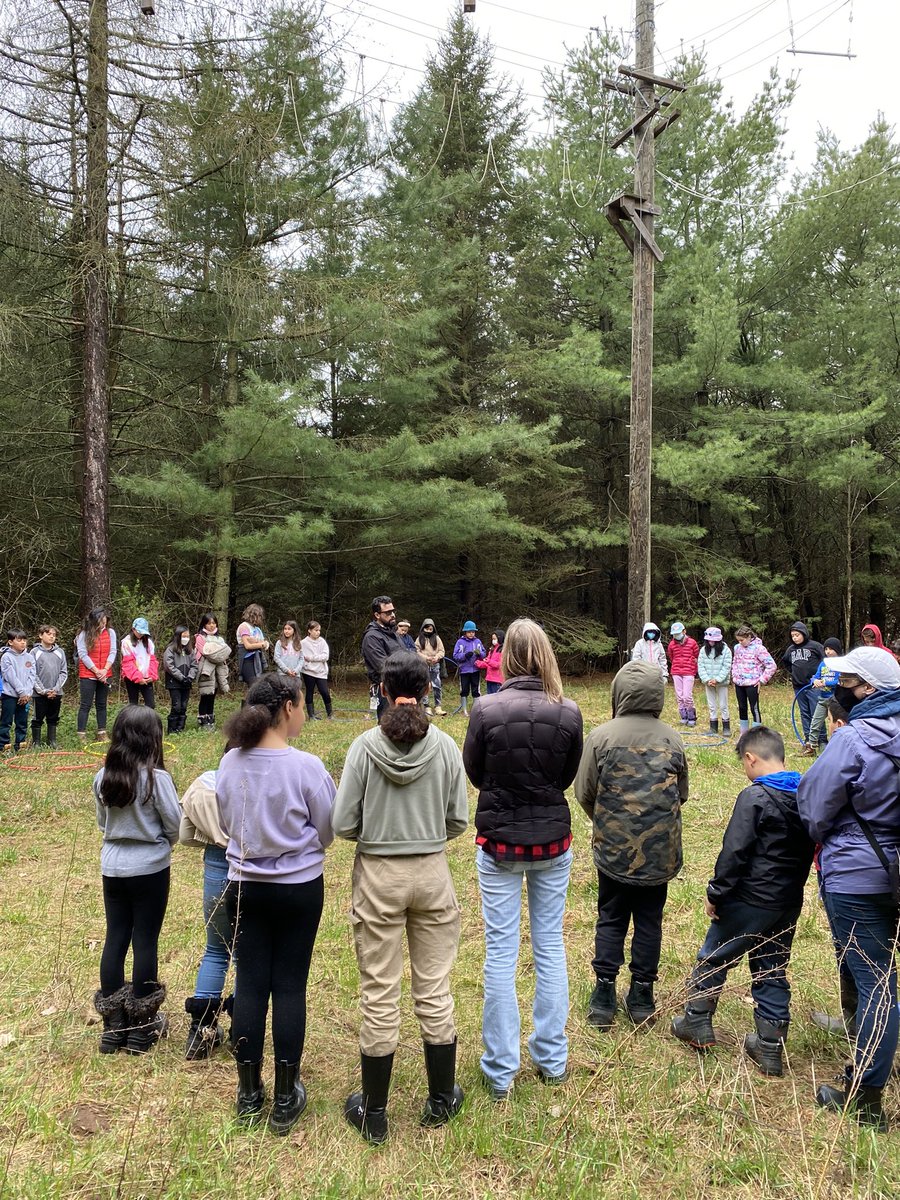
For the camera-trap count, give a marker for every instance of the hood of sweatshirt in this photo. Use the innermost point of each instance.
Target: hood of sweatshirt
(638, 688)
(876, 633)
(647, 629)
(800, 628)
(401, 764)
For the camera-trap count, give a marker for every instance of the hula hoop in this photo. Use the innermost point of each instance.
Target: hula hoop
(798, 733)
(699, 738)
(168, 746)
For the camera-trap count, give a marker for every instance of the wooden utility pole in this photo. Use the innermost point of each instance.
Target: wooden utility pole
(639, 210)
(95, 568)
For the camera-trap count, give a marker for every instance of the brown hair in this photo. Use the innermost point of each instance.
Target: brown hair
(744, 631)
(255, 614)
(296, 639)
(405, 677)
(527, 651)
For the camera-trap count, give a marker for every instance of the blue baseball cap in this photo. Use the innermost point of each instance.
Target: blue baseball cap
(141, 626)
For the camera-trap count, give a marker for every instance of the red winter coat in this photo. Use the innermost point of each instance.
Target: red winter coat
(683, 656)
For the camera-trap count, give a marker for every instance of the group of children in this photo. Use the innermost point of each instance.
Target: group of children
(469, 655)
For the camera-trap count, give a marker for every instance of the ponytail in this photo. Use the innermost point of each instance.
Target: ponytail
(265, 701)
(405, 679)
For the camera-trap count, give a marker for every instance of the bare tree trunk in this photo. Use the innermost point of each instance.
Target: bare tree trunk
(95, 568)
(222, 563)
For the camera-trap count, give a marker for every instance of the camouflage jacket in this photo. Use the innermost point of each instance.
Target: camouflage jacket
(632, 782)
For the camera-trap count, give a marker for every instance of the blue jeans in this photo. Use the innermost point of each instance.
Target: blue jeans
(806, 702)
(865, 931)
(501, 904)
(219, 928)
(765, 935)
(493, 688)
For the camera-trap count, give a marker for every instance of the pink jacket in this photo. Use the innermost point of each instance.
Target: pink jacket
(683, 656)
(752, 665)
(129, 663)
(491, 664)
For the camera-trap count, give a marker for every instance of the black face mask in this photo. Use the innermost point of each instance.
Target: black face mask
(846, 698)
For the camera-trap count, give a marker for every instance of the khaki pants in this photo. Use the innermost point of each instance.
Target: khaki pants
(390, 894)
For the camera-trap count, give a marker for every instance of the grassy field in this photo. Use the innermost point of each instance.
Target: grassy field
(642, 1116)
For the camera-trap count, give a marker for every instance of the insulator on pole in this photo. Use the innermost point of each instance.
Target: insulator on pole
(148, 8)
(468, 6)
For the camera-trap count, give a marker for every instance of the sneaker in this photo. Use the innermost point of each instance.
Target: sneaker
(553, 1080)
(498, 1094)
(806, 752)
(602, 1005)
(439, 712)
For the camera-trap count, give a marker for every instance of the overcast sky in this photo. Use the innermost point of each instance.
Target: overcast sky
(743, 41)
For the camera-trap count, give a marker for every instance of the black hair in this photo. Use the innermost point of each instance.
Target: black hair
(90, 626)
(135, 745)
(176, 636)
(762, 741)
(716, 647)
(427, 639)
(296, 638)
(379, 601)
(501, 636)
(265, 700)
(45, 628)
(837, 712)
(15, 632)
(206, 619)
(404, 675)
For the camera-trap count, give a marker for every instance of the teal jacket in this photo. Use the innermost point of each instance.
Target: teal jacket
(714, 670)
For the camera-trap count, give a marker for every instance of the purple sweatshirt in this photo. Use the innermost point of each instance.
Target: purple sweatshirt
(855, 762)
(275, 806)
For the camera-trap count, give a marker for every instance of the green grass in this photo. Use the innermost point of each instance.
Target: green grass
(641, 1116)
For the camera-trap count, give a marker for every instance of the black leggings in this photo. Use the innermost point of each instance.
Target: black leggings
(137, 691)
(206, 705)
(310, 683)
(92, 691)
(748, 697)
(135, 906)
(275, 929)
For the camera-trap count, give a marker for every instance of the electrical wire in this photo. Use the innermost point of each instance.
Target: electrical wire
(893, 168)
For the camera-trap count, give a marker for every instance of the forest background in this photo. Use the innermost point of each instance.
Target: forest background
(355, 351)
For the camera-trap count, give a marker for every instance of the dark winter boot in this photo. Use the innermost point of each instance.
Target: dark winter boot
(714, 727)
(35, 735)
(682, 714)
(691, 716)
(639, 1003)
(726, 728)
(289, 1099)
(51, 734)
(115, 1019)
(147, 1023)
(445, 1096)
(310, 713)
(695, 1025)
(205, 1034)
(366, 1110)
(864, 1104)
(251, 1094)
(766, 1046)
(602, 1005)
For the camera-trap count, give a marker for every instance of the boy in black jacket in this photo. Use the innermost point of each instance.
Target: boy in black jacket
(753, 901)
(802, 657)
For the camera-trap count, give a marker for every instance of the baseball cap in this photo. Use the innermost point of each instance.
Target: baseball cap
(140, 625)
(676, 628)
(870, 663)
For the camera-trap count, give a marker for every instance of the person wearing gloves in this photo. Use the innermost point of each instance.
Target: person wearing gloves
(51, 673)
(682, 652)
(751, 667)
(714, 669)
(649, 648)
(823, 689)
(466, 651)
(140, 666)
(430, 647)
(849, 802)
(802, 657)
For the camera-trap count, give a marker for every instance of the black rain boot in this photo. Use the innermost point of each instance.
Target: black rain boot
(148, 1024)
(845, 1024)
(289, 1099)
(726, 729)
(51, 734)
(445, 1096)
(35, 735)
(113, 1010)
(251, 1094)
(695, 1025)
(366, 1110)
(310, 713)
(766, 1046)
(864, 1104)
(205, 1034)
(714, 726)
(639, 1003)
(602, 1005)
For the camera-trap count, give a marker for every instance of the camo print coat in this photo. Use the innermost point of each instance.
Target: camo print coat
(632, 782)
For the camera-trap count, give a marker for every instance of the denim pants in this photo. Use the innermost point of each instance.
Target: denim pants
(219, 927)
(434, 678)
(492, 687)
(501, 904)
(765, 935)
(865, 931)
(12, 713)
(806, 702)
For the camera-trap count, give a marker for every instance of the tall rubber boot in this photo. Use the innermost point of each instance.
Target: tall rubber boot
(251, 1094)
(726, 729)
(766, 1046)
(35, 734)
(113, 1010)
(695, 1025)
(51, 734)
(445, 1096)
(289, 1099)
(147, 1023)
(713, 726)
(366, 1110)
(845, 1024)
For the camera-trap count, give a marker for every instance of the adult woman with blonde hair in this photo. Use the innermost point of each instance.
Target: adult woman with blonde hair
(522, 751)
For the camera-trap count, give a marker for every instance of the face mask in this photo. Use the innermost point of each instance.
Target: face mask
(185, 641)
(650, 637)
(846, 698)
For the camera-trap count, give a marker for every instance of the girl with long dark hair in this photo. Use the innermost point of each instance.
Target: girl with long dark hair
(714, 669)
(212, 653)
(139, 814)
(430, 648)
(96, 648)
(181, 664)
(275, 809)
(289, 651)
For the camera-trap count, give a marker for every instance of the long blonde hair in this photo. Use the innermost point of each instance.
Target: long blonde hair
(527, 651)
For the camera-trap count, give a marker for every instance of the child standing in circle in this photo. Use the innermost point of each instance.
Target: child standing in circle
(140, 666)
(402, 796)
(490, 664)
(51, 673)
(181, 666)
(316, 654)
(714, 669)
(430, 648)
(649, 648)
(751, 667)
(467, 649)
(289, 651)
(18, 673)
(275, 808)
(682, 652)
(213, 654)
(96, 648)
(139, 815)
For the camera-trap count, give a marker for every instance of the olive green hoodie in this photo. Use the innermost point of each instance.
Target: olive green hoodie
(407, 799)
(632, 782)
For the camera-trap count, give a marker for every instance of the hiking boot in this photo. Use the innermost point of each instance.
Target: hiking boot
(602, 1005)
(553, 1080)
(366, 1110)
(445, 1096)
(864, 1104)
(766, 1046)
(806, 752)
(695, 1025)
(115, 1019)
(639, 1003)
(147, 1023)
(82, 739)
(251, 1094)
(439, 712)
(289, 1098)
(205, 1034)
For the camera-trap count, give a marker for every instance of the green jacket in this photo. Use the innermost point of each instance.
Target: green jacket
(632, 782)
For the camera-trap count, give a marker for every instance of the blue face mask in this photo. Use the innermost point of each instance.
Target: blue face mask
(651, 636)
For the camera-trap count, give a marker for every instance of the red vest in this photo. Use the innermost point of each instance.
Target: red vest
(98, 654)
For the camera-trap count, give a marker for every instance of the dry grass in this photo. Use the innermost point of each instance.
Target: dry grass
(641, 1117)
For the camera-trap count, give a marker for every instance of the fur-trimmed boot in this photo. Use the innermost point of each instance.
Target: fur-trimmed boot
(251, 1095)
(766, 1046)
(445, 1096)
(113, 1010)
(366, 1110)
(205, 1034)
(147, 1023)
(695, 1025)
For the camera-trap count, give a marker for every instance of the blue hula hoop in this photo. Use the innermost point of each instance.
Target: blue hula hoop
(798, 733)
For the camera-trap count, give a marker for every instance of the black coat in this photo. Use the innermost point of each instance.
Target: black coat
(378, 644)
(766, 852)
(522, 752)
